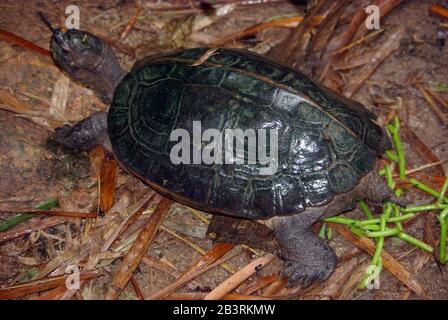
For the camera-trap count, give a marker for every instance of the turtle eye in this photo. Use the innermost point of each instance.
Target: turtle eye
(87, 42)
(79, 39)
(84, 40)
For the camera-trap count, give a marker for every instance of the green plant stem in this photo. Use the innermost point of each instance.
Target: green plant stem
(329, 233)
(443, 191)
(420, 185)
(354, 223)
(22, 217)
(322, 231)
(443, 217)
(389, 179)
(340, 220)
(391, 155)
(383, 233)
(367, 223)
(397, 214)
(365, 209)
(394, 130)
(378, 249)
(380, 241)
(419, 244)
(425, 207)
(390, 220)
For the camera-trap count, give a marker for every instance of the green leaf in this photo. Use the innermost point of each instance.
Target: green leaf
(22, 217)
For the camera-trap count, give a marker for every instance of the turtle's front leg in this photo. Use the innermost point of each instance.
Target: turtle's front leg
(307, 257)
(86, 134)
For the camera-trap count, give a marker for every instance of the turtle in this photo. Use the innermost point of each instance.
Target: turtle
(327, 144)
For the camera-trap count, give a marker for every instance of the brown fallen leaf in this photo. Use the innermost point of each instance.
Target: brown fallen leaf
(343, 40)
(236, 279)
(9, 267)
(275, 287)
(137, 289)
(201, 296)
(438, 112)
(32, 287)
(422, 149)
(96, 156)
(108, 181)
(11, 103)
(138, 250)
(259, 284)
(320, 46)
(357, 42)
(421, 260)
(353, 282)
(288, 22)
(30, 226)
(439, 10)
(214, 257)
(59, 98)
(439, 99)
(53, 294)
(291, 50)
(167, 268)
(378, 57)
(139, 208)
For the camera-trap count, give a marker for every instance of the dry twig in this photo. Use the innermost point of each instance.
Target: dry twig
(132, 21)
(16, 40)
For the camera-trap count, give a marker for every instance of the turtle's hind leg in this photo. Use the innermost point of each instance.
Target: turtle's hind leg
(307, 257)
(241, 231)
(86, 134)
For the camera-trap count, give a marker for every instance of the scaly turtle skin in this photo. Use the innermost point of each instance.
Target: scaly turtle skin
(328, 145)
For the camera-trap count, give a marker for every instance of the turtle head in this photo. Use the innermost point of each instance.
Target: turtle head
(76, 51)
(86, 58)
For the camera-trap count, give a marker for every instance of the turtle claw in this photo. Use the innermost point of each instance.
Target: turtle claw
(62, 136)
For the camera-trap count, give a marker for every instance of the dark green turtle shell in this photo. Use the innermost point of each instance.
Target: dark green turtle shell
(326, 142)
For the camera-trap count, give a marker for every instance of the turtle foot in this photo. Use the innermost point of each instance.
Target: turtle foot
(305, 273)
(307, 257)
(84, 135)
